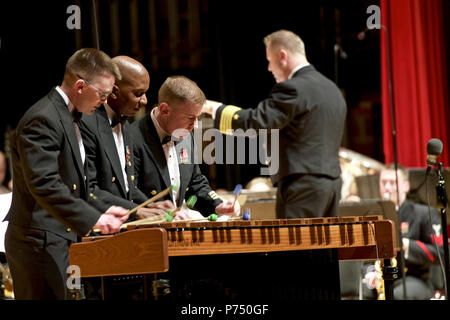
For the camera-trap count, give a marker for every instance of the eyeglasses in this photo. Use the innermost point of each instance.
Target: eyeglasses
(103, 95)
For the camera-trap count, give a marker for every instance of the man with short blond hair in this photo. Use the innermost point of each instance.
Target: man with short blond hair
(309, 111)
(164, 149)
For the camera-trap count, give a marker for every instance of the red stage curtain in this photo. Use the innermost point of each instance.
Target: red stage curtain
(419, 79)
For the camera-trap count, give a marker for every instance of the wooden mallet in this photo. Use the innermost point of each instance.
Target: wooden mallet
(165, 192)
(160, 195)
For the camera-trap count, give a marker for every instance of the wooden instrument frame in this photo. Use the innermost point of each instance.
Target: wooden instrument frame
(144, 249)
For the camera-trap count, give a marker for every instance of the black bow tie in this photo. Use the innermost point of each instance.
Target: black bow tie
(76, 115)
(116, 120)
(167, 139)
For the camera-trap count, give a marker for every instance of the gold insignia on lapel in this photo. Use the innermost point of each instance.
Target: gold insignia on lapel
(153, 192)
(132, 178)
(113, 179)
(74, 187)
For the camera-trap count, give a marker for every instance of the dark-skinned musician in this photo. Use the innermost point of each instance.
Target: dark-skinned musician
(109, 150)
(109, 145)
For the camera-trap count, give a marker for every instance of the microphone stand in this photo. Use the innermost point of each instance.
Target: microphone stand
(94, 14)
(442, 201)
(394, 142)
(389, 293)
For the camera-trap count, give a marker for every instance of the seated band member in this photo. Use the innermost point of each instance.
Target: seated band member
(160, 161)
(49, 207)
(421, 235)
(109, 145)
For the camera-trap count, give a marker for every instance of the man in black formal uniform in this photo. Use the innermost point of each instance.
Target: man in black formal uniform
(309, 111)
(49, 207)
(109, 145)
(161, 161)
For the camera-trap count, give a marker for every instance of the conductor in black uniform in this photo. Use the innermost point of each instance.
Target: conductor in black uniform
(309, 111)
(49, 207)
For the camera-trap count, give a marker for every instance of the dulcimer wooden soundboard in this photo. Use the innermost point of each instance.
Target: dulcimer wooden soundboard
(146, 248)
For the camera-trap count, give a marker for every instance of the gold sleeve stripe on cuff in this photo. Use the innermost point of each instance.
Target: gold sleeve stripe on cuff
(226, 118)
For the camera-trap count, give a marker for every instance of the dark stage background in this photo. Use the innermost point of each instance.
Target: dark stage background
(216, 43)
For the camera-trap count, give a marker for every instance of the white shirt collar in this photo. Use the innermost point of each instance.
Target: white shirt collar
(65, 98)
(110, 112)
(301, 65)
(161, 132)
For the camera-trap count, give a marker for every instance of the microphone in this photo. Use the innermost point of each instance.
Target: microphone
(434, 150)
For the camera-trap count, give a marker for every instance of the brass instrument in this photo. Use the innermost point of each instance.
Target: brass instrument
(353, 165)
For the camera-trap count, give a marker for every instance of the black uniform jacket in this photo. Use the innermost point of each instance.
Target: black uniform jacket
(425, 237)
(50, 185)
(309, 111)
(107, 180)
